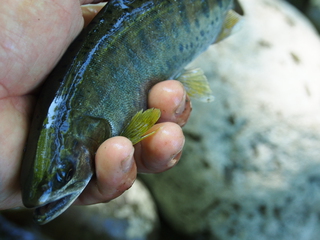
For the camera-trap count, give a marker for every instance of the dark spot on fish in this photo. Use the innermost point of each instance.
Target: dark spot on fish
(197, 38)
(295, 58)
(212, 23)
(191, 45)
(202, 33)
(185, 18)
(206, 8)
(187, 46)
(219, 3)
(180, 47)
(264, 44)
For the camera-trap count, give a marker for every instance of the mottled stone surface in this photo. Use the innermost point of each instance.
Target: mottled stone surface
(132, 216)
(11, 231)
(251, 164)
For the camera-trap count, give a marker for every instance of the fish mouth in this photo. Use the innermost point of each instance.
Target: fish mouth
(53, 209)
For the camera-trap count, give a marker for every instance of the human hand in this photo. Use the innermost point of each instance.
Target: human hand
(33, 37)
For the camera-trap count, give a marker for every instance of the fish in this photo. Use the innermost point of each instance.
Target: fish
(99, 90)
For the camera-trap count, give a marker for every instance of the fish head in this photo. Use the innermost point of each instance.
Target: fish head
(60, 170)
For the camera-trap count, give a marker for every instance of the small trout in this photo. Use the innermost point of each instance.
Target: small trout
(101, 83)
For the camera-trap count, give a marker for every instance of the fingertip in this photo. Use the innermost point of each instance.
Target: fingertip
(115, 171)
(112, 153)
(114, 161)
(171, 98)
(162, 150)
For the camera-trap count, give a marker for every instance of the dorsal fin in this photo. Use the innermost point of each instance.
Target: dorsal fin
(232, 24)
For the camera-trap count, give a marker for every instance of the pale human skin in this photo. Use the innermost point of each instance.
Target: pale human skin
(33, 36)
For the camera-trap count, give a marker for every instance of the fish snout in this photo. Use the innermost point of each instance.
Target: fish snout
(38, 196)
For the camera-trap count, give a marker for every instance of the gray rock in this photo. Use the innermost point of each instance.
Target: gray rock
(12, 231)
(251, 164)
(132, 216)
(313, 12)
(300, 4)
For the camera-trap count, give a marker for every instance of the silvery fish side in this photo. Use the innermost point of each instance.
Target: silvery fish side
(101, 83)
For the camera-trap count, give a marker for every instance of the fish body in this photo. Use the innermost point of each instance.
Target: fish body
(101, 83)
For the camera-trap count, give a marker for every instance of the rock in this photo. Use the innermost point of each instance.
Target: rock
(132, 216)
(11, 231)
(251, 164)
(313, 12)
(300, 4)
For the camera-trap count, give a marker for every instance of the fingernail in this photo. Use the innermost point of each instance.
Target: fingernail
(127, 163)
(182, 105)
(182, 118)
(174, 160)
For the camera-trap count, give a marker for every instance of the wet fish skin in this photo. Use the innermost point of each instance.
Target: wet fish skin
(100, 83)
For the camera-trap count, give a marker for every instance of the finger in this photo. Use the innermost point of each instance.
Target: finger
(90, 11)
(115, 171)
(161, 150)
(171, 98)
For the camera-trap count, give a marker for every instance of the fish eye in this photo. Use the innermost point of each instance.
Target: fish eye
(69, 174)
(63, 176)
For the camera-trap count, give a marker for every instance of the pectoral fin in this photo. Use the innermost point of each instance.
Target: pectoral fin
(196, 85)
(231, 25)
(140, 124)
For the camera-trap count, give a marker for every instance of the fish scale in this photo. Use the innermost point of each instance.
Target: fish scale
(101, 82)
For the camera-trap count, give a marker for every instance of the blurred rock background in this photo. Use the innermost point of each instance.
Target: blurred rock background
(311, 8)
(132, 216)
(251, 164)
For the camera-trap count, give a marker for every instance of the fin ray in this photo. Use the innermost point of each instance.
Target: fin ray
(231, 25)
(196, 85)
(140, 123)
